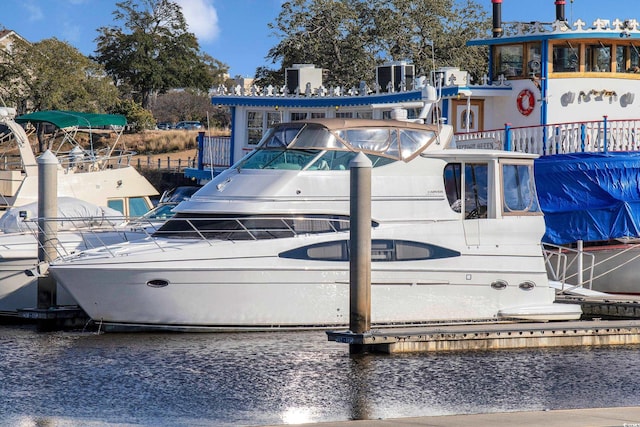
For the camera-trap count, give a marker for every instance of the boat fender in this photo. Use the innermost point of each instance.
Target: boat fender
(526, 102)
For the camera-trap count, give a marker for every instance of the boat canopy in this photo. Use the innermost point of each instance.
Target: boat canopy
(589, 196)
(330, 144)
(67, 119)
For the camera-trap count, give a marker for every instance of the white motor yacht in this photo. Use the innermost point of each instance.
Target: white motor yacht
(264, 245)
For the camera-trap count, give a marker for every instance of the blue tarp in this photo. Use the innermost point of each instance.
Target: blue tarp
(589, 196)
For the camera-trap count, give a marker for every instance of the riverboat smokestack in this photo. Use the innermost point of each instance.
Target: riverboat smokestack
(560, 10)
(497, 17)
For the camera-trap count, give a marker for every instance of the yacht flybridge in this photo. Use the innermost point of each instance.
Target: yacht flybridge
(455, 237)
(103, 177)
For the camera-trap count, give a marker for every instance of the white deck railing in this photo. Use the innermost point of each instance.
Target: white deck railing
(216, 152)
(563, 138)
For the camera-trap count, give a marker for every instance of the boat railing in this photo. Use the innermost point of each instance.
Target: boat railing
(249, 227)
(96, 160)
(216, 151)
(568, 266)
(92, 231)
(11, 162)
(600, 136)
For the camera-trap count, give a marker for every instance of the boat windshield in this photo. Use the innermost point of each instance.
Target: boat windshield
(311, 146)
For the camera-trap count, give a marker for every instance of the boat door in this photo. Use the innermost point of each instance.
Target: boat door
(476, 200)
(469, 111)
(466, 187)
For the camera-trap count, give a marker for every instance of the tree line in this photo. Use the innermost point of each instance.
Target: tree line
(348, 39)
(148, 53)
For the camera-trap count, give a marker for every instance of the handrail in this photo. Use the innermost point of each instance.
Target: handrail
(153, 234)
(558, 262)
(92, 230)
(563, 138)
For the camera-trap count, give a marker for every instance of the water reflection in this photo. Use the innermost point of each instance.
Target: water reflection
(279, 378)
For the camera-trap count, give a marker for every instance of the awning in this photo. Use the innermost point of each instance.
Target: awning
(67, 119)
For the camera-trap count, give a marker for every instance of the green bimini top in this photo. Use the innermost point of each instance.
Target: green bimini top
(67, 119)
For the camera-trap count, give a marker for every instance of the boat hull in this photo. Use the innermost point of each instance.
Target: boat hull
(18, 254)
(19, 291)
(226, 291)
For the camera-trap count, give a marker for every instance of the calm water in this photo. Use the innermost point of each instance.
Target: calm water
(69, 379)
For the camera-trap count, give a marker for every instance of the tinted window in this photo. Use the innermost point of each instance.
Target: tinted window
(475, 194)
(138, 206)
(381, 251)
(194, 226)
(117, 204)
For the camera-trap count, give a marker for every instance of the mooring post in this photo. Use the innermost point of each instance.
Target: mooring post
(47, 228)
(360, 247)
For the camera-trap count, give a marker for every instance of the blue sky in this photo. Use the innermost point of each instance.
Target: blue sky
(235, 31)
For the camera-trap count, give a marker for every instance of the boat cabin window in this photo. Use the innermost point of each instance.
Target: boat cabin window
(381, 251)
(475, 190)
(138, 206)
(117, 204)
(473, 201)
(627, 59)
(206, 226)
(521, 60)
(132, 207)
(453, 185)
(590, 57)
(598, 58)
(311, 146)
(566, 58)
(519, 191)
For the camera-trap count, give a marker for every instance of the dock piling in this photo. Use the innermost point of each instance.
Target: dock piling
(47, 229)
(360, 248)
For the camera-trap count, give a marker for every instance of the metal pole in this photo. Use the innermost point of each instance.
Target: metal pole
(507, 137)
(47, 228)
(580, 262)
(606, 148)
(360, 246)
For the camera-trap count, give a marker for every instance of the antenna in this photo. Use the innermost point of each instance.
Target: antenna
(209, 147)
(571, 12)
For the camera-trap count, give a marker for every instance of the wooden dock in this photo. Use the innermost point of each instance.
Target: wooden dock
(610, 320)
(492, 336)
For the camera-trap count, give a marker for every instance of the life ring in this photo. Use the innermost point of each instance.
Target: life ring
(526, 102)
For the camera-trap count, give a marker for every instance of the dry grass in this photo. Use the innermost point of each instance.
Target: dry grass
(164, 141)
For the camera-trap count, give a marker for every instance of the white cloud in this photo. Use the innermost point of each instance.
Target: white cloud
(201, 17)
(34, 11)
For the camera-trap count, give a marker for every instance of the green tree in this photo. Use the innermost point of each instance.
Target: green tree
(138, 118)
(178, 105)
(53, 75)
(433, 34)
(332, 34)
(349, 38)
(153, 51)
(13, 71)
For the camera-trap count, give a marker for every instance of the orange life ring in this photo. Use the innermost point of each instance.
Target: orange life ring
(526, 102)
